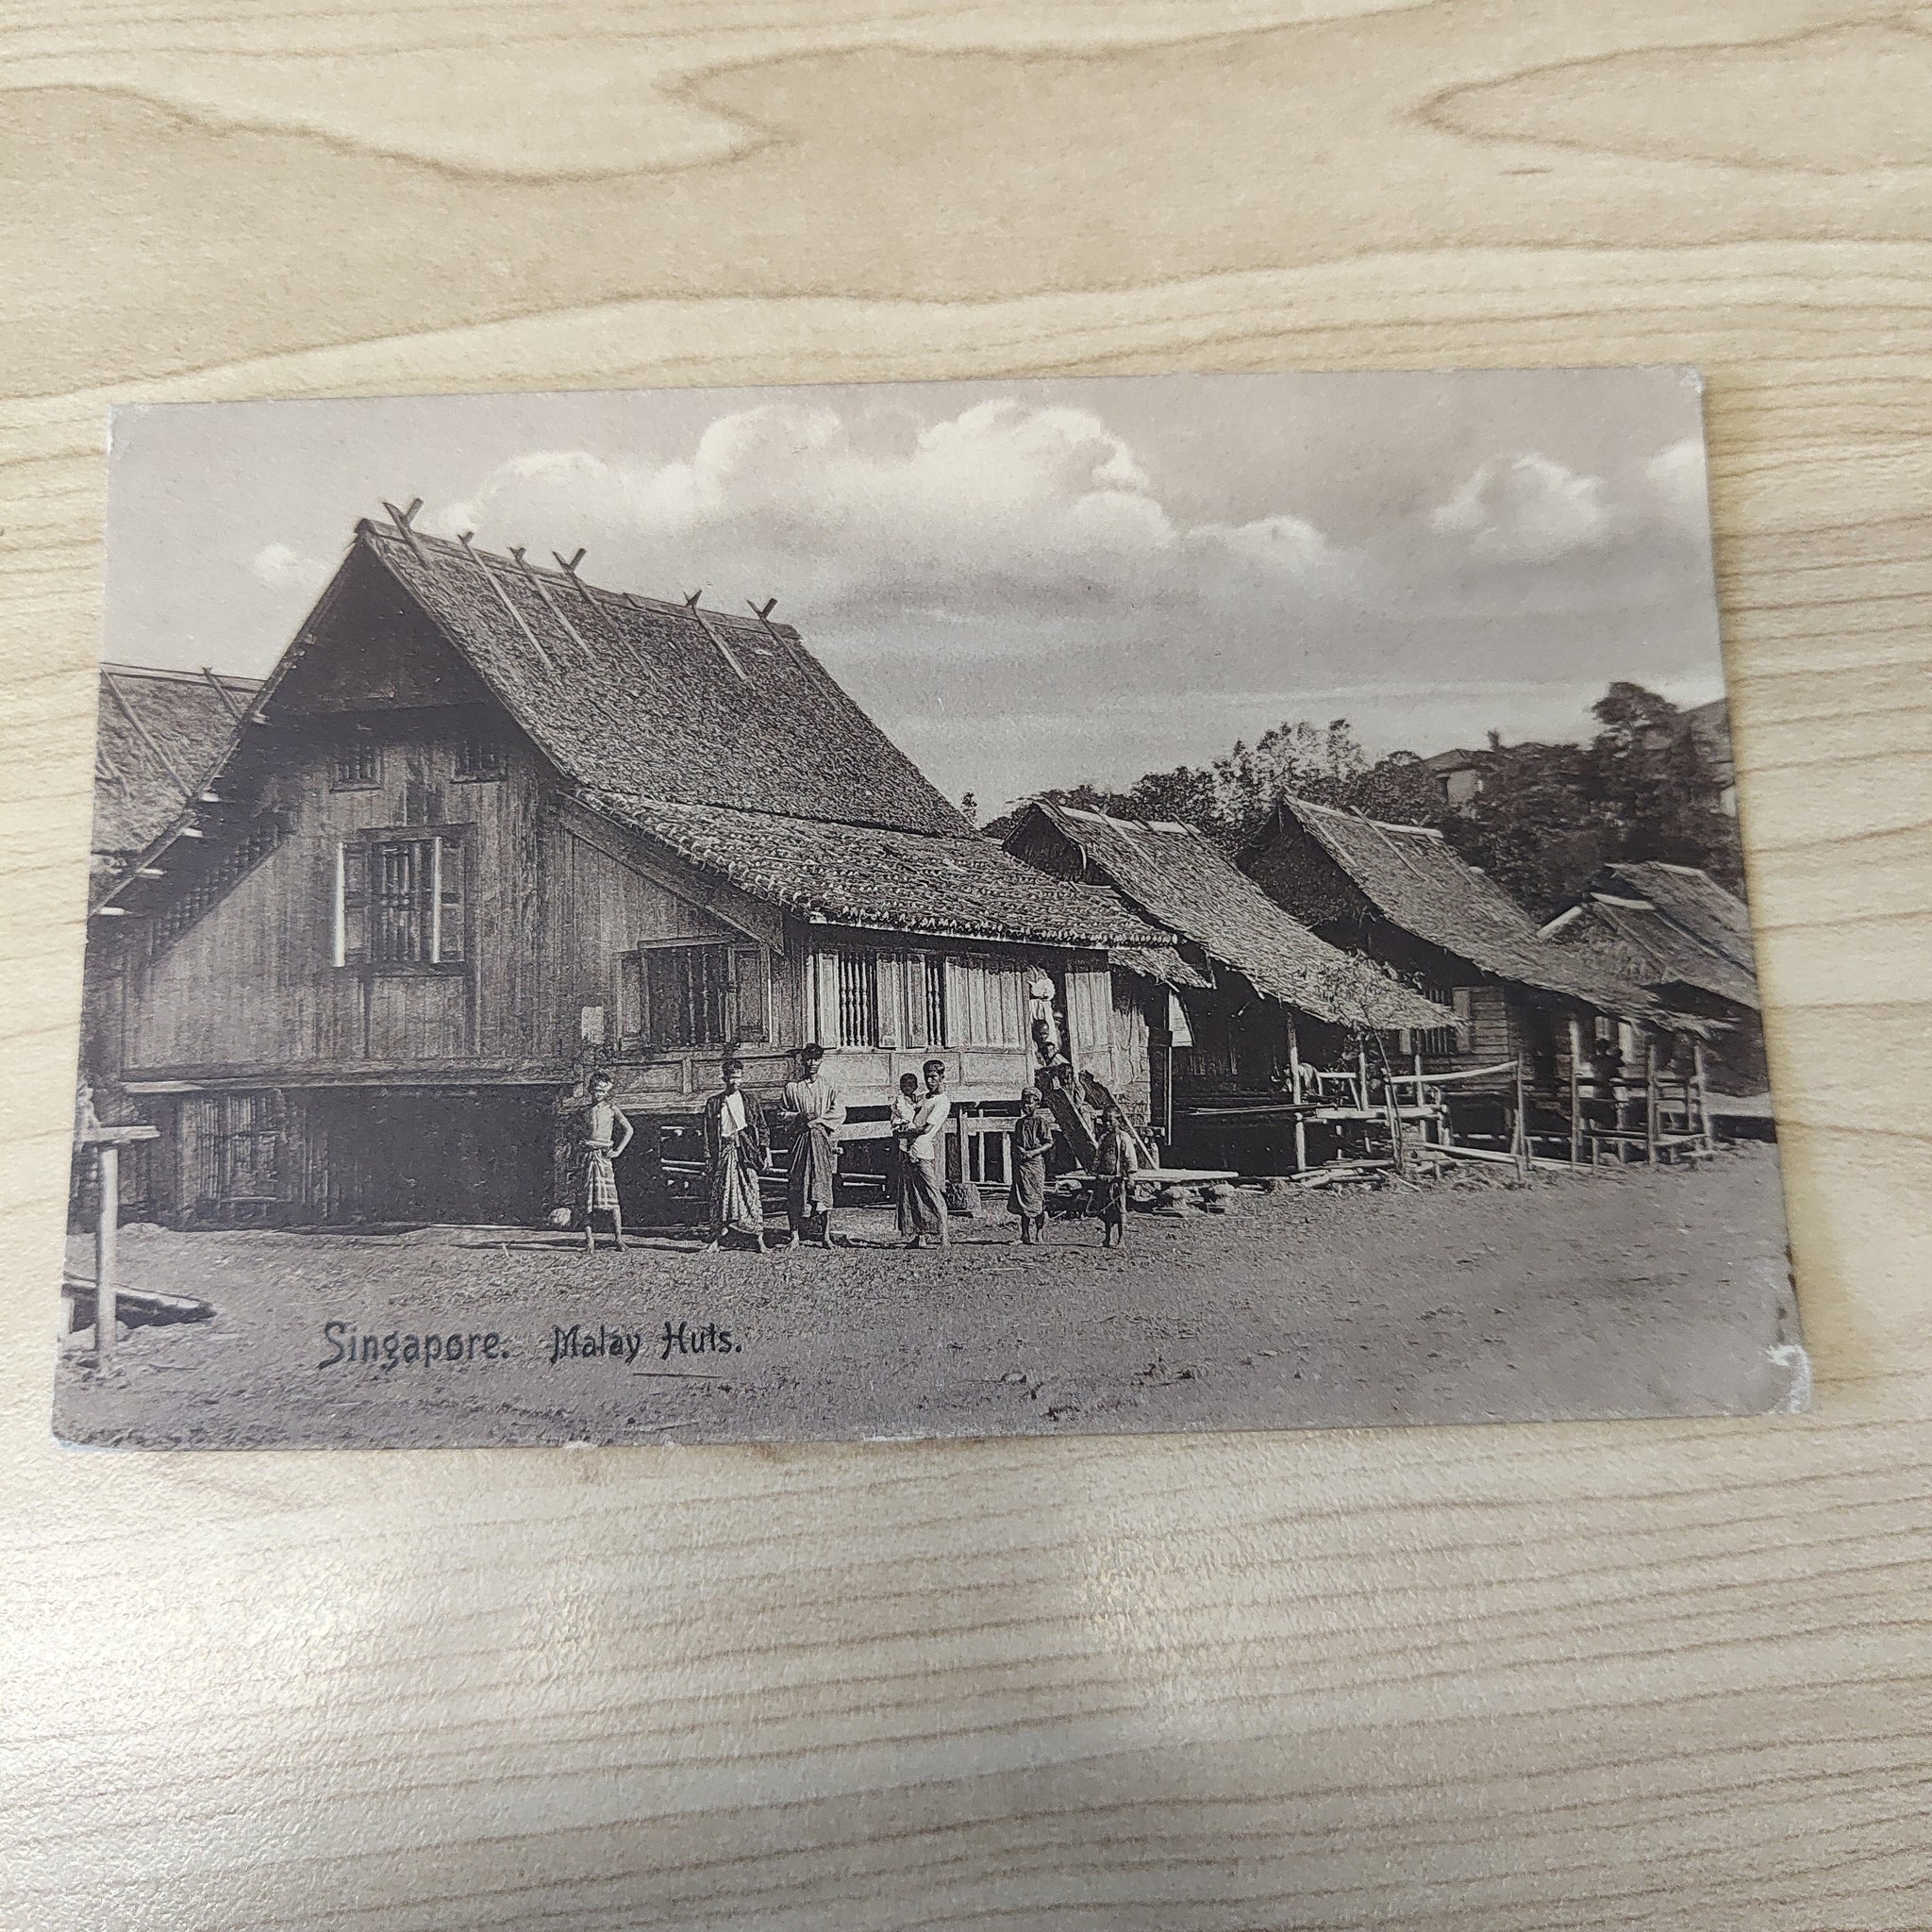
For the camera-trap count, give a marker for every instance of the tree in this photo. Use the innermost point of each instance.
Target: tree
(1653, 777)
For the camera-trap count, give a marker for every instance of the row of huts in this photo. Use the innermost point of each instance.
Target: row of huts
(357, 930)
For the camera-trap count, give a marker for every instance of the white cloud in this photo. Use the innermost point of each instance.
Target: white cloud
(282, 567)
(1000, 510)
(1525, 509)
(1677, 476)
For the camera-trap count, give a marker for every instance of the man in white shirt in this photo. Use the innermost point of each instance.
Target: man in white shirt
(923, 1136)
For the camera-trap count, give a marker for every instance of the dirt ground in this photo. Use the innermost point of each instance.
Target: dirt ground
(1628, 1293)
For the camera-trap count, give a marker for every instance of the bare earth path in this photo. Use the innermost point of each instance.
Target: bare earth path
(1618, 1294)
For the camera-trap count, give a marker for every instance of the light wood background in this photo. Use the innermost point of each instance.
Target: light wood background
(1676, 1676)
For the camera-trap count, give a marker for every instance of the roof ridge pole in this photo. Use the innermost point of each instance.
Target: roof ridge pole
(583, 590)
(1389, 841)
(550, 603)
(140, 731)
(227, 697)
(503, 597)
(402, 518)
(711, 630)
(763, 613)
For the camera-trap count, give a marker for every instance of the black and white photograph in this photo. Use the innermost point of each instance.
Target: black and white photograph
(946, 909)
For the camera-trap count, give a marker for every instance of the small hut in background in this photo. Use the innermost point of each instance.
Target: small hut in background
(1688, 940)
(1268, 1032)
(1562, 1039)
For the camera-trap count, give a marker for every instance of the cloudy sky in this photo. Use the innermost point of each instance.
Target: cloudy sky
(1025, 583)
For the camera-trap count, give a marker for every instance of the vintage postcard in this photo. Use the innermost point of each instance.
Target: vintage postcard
(946, 909)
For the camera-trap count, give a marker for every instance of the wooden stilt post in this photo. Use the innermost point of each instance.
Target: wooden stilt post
(1650, 1099)
(107, 1232)
(1294, 1076)
(1518, 1135)
(1576, 1092)
(1703, 1089)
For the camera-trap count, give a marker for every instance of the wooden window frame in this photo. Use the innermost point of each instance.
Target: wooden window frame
(935, 997)
(740, 1029)
(444, 959)
(358, 743)
(870, 969)
(467, 743)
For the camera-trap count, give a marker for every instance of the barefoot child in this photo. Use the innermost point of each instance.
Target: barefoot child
(1113, 1166)
(607, 1134)
(1033, 1138)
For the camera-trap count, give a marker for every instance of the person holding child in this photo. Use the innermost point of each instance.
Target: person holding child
(898, 1172)
(922, 1137)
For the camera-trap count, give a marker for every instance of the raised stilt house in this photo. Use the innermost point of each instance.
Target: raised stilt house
(1567, 1028)
(486, 824)
(1688, 940)
(1261, 1006)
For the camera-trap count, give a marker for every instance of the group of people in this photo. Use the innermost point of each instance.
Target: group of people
(738, 1144)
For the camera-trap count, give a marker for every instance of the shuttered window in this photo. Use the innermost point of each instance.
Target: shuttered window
(400, 902)
(692, 995)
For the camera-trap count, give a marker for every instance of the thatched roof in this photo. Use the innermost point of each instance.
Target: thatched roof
(1673, 925)
(1416, 881)
(657, 700)
(880, 877)
(1177, 876)
(159, 735)
(719, 737)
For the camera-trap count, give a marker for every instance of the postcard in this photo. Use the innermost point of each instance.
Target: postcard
(947, 909)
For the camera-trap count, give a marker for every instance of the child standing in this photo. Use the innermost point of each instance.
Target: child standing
(1114, 1167)
(607, 1134)
(1033, 1137)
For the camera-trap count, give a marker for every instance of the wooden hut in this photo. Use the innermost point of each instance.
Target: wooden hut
(1688, 940)
(488, 824)
(160, 735)
(1259, 1007)
(1568, 1027)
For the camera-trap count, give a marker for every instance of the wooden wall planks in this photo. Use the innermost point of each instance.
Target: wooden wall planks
(1579, 1677)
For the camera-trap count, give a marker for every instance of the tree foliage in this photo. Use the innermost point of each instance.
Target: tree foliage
(1546, 818)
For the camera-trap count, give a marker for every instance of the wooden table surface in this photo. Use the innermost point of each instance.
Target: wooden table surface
(1673, 1675)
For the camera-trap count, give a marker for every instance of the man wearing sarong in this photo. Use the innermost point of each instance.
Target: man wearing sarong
(925, 1189)
(736, 1145)
(813, 1102)
(1033, 1136)
(606, 1133)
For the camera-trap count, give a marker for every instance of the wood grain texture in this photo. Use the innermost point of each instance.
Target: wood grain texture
(1676, 1676)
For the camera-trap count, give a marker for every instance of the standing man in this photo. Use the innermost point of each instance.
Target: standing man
(925, 1188)
(736, 1145)
(813, 1102)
